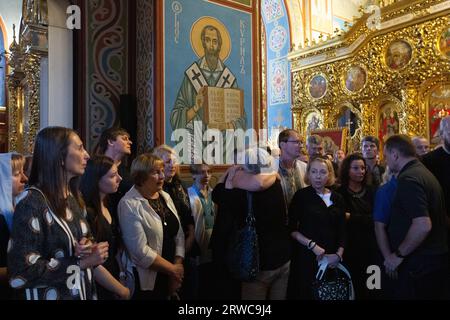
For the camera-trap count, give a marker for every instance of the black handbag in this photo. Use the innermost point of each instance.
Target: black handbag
(333, 284)
(243, 251)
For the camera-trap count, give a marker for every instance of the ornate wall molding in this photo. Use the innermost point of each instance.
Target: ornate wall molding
(384, 78)
(31, 69)
(24, 83)
(145, 75)
(107, 64)
(15, 135)
(344, 45)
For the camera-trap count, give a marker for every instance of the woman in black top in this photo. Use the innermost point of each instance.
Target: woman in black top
(317, 224)
(151, 232)
(115, 143)
(100, 179)
(174, 187)
(358, 194)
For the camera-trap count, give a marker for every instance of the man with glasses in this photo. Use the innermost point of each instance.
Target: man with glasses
(291, 169)
(370, 146)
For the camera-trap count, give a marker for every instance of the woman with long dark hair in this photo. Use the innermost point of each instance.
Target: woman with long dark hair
(100, 179)
(358, 197)
(115, 143)
(50, 254)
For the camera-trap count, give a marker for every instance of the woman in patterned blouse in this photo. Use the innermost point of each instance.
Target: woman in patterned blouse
(50, 255)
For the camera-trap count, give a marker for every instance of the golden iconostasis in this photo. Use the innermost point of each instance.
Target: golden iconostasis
(384, 76)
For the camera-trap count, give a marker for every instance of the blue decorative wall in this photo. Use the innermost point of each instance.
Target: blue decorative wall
(278, 68)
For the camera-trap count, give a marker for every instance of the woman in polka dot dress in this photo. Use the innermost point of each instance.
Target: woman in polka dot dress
(50, 255)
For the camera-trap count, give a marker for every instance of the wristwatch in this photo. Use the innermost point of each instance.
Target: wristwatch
(398, 254)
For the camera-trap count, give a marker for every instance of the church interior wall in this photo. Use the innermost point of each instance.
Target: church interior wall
(57, 108)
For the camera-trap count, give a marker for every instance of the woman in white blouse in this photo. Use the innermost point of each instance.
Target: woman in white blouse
(151, 231)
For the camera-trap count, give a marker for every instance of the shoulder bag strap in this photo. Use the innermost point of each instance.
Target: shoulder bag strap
(69, 234)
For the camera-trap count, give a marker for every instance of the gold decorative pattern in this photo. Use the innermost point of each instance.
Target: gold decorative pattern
(438, 42)
(367, 48)
(263, 76)
(13, 108)
(24, 83)
(31, 68)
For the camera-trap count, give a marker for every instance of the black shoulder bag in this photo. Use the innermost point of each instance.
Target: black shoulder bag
(243, 251)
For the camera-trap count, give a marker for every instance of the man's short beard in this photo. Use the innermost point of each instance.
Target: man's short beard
(212, 55)
(212, 59)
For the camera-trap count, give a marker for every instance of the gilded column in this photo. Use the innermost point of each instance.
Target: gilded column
(327, 117)
(296, 101)
(414, 116)
(13, 114)
(264, 110)
(368, 125)
(296, 115)
(31, 69)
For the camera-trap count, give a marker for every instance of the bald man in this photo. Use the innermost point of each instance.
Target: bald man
(422, 145)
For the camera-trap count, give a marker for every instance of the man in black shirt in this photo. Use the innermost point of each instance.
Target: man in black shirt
(417, 229)
(438, 162)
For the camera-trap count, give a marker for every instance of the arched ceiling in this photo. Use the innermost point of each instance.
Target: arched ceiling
(309, 18)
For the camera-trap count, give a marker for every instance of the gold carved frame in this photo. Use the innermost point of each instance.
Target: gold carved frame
(420, 23)
(24, 83)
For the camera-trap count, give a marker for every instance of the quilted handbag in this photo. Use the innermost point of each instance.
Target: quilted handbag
(243, 251)
(332, 284)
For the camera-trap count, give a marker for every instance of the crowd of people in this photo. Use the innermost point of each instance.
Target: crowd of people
(80, 227)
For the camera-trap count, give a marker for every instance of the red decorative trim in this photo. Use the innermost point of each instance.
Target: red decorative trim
(80, 74)
(257, 67)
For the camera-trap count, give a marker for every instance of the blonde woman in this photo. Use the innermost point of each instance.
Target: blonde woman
(11, 185)
(317, 225)
(151, 231)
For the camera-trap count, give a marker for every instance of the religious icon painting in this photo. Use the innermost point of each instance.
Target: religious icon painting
(398, 54)
(317, 87)
(444, 42)
(355, 78)
(388, 121)
(208, 83)
(313, 121)
(438, 102)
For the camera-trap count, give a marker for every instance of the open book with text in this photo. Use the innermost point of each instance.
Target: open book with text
(223, 105)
